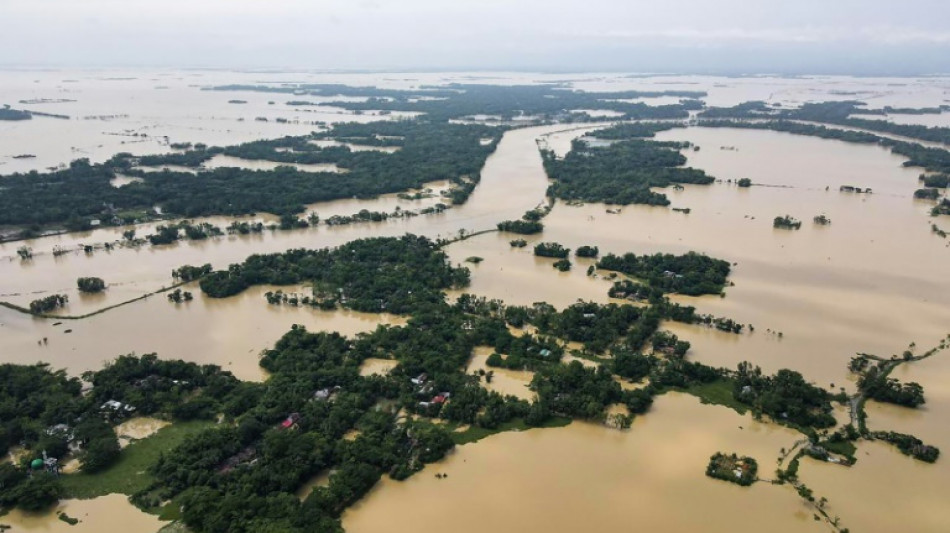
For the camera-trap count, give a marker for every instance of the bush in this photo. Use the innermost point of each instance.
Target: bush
(91, 284)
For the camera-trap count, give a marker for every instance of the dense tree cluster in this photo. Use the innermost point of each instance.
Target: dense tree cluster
(521, 227)
(621, 173)
(786, 222)
(875, 384)
(732, 468)
(376, 274)
(190, 273)
(587, 251)
(786, 396)
(909, 445)
(455, 101)
(942, 208)
(551, 249)
(83, 191)
(691, 274)
(91, 284)
(940, 181)
(48, 303)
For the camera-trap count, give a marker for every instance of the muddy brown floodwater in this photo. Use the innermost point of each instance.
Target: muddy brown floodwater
(586, 477)
(872, 281)
(106, 514)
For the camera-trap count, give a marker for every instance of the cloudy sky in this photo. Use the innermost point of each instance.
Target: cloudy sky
(722, 36)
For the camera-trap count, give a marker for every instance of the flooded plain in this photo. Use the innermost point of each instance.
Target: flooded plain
(587, 477)
(106, 514)
(872, 281)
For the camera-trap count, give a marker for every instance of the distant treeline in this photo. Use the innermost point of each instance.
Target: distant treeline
(455, 101)
(83, 192)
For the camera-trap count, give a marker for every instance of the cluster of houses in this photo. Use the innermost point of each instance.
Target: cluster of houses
(323, 395)
(424, 388)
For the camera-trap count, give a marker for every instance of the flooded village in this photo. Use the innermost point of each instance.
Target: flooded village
(872, 279)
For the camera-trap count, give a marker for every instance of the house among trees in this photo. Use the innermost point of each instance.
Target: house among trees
(116, 407)
(291, 421)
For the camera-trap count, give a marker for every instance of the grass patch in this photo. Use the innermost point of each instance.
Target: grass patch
(475, 434)
(718, 392)
(844, 447)
(130, 474)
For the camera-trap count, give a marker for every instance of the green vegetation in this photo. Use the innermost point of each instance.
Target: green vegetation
(48, 303)
(940, 181)
(786, 222)
(621, 173)
(744, 182)
(692, 274)
(522, 227)
(562, 265)
(718, 392)
(821, 220)
(476, 433)
(909, 445)
(785, 397)
(587, 251)
(732, 468)
(178, 296)
(875, 384)
(91, 284)
(376, 274)
(518, 243)
(551, 249)
(82, 192)
(633, 131)
(927, 194)
(943, 208)
(130, 472)
(837, 113)
(455, 101)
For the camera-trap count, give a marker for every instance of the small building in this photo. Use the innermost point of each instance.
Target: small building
(420, 379)
(117, 406)
(544, 352)
(290, 421)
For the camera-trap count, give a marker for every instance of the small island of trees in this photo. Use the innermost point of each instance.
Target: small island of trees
(744, 182)
(786, 222)
(48, 303)
(523, 227)
(587, 251)
(551, 249)
(91, 285)
(732, 468)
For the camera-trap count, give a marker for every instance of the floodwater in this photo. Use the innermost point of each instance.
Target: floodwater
(221, 161)
(376, 366)
(587, 477)
(229, 332)
(107, 514)
(137, 428)
(503, 381)
(872, 281)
